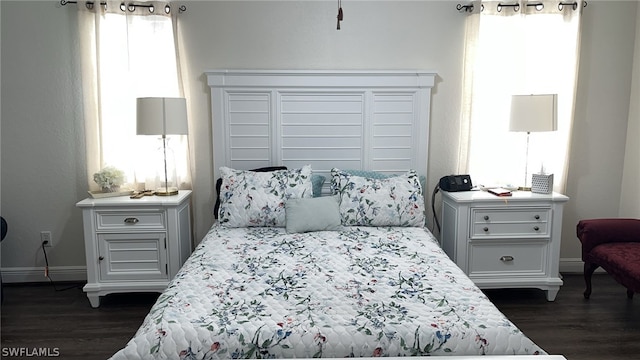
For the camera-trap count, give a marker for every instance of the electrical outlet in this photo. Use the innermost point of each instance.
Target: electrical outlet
(45, 237)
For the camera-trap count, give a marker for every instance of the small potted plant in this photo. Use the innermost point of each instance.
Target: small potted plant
(109, 179)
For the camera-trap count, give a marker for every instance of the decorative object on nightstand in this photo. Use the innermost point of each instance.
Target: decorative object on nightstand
(533, 113)
(499, 242)
(109, 179)
(134, 245)
(542, 183)
(163, 116)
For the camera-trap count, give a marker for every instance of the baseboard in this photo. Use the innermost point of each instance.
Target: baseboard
(571, 265)
(574, 266)
(79, 273)
(36, 274)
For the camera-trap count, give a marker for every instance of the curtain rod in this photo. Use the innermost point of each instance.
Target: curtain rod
(516, 6)
(131, 6)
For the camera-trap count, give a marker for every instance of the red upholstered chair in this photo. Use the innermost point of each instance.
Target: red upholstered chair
(614, 245)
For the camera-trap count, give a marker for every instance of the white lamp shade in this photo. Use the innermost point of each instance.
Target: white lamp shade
(533, 113)
(161, 116)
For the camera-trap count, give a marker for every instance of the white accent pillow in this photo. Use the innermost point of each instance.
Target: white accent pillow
(249, 198)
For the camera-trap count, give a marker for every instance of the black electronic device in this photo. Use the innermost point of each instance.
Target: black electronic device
(452, 183)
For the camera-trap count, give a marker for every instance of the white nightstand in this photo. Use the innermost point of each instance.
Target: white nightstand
(134, 245)
(505, 242)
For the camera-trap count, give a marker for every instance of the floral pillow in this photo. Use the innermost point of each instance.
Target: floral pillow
(249, 198)
(392, 201)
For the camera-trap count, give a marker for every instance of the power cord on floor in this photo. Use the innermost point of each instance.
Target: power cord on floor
(46, 271)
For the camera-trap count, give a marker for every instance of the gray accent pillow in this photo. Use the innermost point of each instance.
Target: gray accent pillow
(312, 214)
(316, 183)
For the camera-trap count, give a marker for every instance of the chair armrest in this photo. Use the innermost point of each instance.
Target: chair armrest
(593, 232)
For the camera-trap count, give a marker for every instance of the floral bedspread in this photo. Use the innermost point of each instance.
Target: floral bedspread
(360, 292)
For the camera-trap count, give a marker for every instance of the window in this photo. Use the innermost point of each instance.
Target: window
(126, 55)
(529, 51)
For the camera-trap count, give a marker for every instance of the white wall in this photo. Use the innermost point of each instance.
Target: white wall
(42, 142)
(42, 146)
(601, 118)
(630, 196)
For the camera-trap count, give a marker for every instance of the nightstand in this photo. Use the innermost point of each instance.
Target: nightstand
(505, 242)
(134, 245)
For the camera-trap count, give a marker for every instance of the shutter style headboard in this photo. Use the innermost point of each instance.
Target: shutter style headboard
(366, 120)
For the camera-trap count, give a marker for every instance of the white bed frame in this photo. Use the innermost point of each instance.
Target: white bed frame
(366, 120)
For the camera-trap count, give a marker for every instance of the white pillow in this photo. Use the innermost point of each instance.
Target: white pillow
(393, 201)
(249, 198)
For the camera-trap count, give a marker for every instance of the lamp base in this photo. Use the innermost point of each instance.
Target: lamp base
(167, 192)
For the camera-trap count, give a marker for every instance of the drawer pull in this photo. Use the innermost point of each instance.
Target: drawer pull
(486, 217)
(101, 258)
(506, 258)
(537, 217)
(486, 229)
(131, 220)
(536, 228)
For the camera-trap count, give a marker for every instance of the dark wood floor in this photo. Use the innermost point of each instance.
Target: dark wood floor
(605, 327)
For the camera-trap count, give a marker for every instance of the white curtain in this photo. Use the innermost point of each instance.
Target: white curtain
(523, 50)
(127, 54)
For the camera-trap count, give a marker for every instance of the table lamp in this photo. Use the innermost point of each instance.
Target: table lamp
(533, 113)
(163, 116)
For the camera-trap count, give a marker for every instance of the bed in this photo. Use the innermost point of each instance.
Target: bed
(311, 260)
(260, 293)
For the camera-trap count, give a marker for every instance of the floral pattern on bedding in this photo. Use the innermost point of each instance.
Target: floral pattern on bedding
(360, 292)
